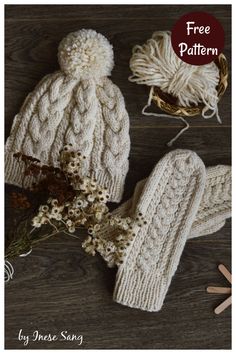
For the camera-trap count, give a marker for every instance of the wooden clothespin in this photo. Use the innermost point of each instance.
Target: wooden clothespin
(222, 290)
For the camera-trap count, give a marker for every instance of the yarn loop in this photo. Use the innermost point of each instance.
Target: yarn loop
(155, 64)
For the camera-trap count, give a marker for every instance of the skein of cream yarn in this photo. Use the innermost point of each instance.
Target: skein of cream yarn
(156, 64)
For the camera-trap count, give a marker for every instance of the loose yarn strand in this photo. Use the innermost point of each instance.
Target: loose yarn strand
(214, 110)
(170, 143)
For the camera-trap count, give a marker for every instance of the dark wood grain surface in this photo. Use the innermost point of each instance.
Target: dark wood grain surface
(59, 287)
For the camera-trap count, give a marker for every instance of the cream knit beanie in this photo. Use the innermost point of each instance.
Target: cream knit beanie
(169, 203)
(77, 105)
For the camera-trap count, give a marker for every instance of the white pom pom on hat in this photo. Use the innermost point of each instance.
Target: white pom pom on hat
(86, 54)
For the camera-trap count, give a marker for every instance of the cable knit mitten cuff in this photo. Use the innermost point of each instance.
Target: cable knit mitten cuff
(169, 203)
(142, 290)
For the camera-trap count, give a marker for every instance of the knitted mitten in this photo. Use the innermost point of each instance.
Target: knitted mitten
(168, 203)
(215, 205)
(76, 105)
(214, 209)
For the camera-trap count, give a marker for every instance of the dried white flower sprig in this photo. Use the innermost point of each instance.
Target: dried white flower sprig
(124, 231)
(72, 201)
(85, 206)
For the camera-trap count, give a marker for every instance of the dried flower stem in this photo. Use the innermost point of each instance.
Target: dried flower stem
(71, 201)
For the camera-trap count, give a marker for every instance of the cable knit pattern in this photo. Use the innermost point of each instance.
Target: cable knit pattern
(169, 203)
(22, 120)
(215, 206)
(116, 127)
(214, 209)
(81, 128)
(45, 119)
(77, 106)
(167, 199)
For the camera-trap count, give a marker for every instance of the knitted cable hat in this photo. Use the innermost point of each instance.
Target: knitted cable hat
(169, 203)
(77, 105)
(214, 209)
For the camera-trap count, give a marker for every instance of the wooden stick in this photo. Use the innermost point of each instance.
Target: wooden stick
(223, 306)
(218, 290)
(225, 272)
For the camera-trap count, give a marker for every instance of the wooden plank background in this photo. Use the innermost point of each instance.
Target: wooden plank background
(59, 287)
